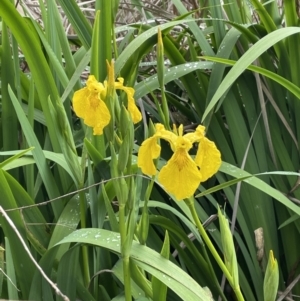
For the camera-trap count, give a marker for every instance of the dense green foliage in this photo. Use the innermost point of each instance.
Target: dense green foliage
(98, 227)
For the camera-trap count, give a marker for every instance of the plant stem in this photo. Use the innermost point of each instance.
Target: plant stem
(210, 267)
(149, 189)
(125, 253)
(212, 249)
(85, 259)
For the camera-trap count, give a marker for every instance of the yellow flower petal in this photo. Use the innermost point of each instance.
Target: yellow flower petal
(159, 127)
(148, 151)
(131, 106)
(208, 158)
(97, 117)
(80, 102)
(197, 135)
(183, 143)
(87, 96)
(88, 105)
(161, 132)
(180, 176)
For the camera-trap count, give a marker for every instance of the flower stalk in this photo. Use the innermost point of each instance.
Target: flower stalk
(143, 226)
(160, 76)
(206, 239)
(121, 188)
(99, 107)
(85, 258)
(125, 253)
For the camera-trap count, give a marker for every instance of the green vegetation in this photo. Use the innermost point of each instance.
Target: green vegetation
(89, 212)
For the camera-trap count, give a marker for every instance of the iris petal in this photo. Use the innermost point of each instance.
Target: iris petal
(180, 176)
(197, 135)
(208, 157)
(88, 105)
(131, 106)
(148, 151)
(161, 132)
(97, 117)
(80, 102)
(88, 102)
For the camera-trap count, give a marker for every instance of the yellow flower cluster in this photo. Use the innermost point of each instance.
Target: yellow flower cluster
(89, 102)
(181, 175)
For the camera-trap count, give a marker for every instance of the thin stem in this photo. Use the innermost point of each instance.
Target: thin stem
(85, 258)
(149, 189)
(204, 252)
(212, 249)
(81, 193)
(124, 253)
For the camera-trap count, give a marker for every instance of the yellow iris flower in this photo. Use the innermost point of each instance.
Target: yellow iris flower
(181, 175)
(89, 103)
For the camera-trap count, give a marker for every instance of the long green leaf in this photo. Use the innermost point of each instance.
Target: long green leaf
(23, 266)
(251, 55)
(277, 78)
(145, 258)
(38, 155)
(24, 33)
(261, 185)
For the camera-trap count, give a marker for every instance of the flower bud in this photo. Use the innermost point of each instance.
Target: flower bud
(228, 249)
(143, 227)
(119, 183)
(160, 59)
(126, 127)
(271, 279)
